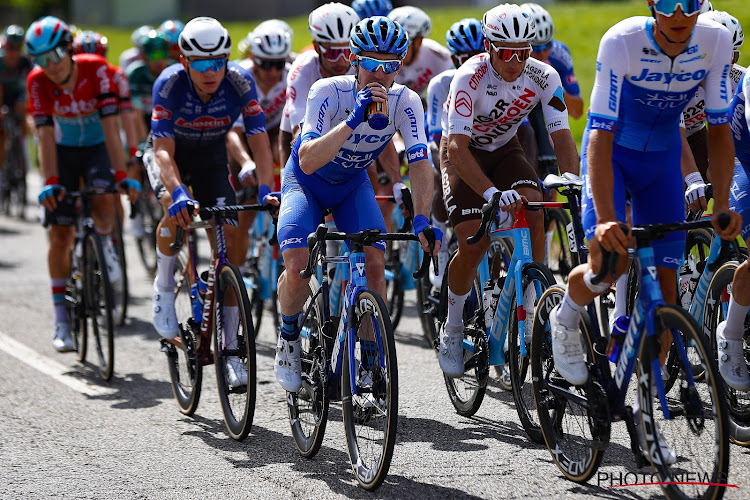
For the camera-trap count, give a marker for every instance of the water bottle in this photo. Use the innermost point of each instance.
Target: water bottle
(376, 115)
(619, 330)
(202, 286)
(487, 300)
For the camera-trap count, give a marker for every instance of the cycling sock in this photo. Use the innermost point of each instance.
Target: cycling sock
(231, 318)
(289, 331)
(369, 349)
(735, 320)
(165, 271)
(455, 322)
(621, 296)
(58, 300)
(568, 314)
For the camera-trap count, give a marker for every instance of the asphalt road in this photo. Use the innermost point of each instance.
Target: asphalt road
(65, 433)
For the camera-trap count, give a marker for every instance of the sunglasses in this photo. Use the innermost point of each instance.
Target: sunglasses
(203, 65)
(54, 56)
(156, 55)
(541, 48)
(372, 65)
(333, 54)
(507, 54)
(273, 64)
(669, 7)
(462, 58)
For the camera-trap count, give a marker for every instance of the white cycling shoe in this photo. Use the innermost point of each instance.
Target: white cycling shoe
(236, 372)
(451, 352)
(112, 260)
(732, 365)
(164, 315)
(62, 340)
(567, 351)
(287, 366)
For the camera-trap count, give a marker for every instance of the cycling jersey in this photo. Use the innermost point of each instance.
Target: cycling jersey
(304, 72)
(639, 91)
(13, 81)
(141, 83)
(331, 101)
(179, 114)
(431, 60)
(272, 102)
(129, 56)
(75, 115)
(490, 110)
(123, 89)
(559, 58)
(437, 94)
(741, 122)
(694, 116)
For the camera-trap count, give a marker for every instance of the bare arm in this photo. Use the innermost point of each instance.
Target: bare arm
(565, 150)
(687, 161)
(465, 164)
(422, 186)
(574, 104)
(316, 153)
(113, 142)
(164, 155)
(261, 148)
(721, 166)
(130, 125)
(47, 151)
(389, 161)
(236, 149)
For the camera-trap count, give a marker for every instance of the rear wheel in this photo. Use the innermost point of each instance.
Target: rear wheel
(120, 291)
(99, 304)
(151, 211)
(234, 349)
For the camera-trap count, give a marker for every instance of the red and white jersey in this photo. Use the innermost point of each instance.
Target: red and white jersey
(304, 72)
(432, 60)
(694, 116)
(271, 102)
(484, 106)
(120, 80)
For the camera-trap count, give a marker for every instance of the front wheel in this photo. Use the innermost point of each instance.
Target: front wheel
(234, 352)
(369, 391)
(99, 304)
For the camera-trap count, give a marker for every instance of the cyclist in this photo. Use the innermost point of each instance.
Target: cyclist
(14, 67)
(369, 8)
(480, 154)
(143, 72)
(132, 54)
(326, 170)
(464, 39)
(329, 25)
(171, 29)
(195, 104)
(66, 92)
(628, 146)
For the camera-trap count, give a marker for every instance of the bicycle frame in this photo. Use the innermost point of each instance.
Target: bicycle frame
(268, 280)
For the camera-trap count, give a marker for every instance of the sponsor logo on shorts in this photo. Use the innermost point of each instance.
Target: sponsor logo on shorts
(291, 241)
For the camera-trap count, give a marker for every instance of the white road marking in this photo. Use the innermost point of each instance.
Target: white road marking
(48, 366)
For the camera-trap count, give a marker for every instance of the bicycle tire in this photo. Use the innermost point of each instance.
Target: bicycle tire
(75, 304)
(520, 374)
(238, 403)
(121, 292)
(185, 372)
(427, 300)
(252, 284)
(686, 419)
(151, 212)
(362, 412)
(576, 463)
(99, 304)
(717, 302)
(308, 408)
(467, 392)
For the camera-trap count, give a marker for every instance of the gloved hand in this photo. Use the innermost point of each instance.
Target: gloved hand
(357, 116)
(263, 192)
(180, 201)
(421, 223)
(51, 193)
(696, 189)
(397, 194)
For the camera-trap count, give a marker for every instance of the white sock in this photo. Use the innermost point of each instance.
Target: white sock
(568, 315)
(455, 321)
(735, 320)
(165, 271)
(621, 296)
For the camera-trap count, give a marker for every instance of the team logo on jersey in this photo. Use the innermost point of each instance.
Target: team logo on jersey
(650, 52)
(477, 76)
(558, 101)
(160, 113)
(463, 104)
(79, 107)
(292, 95)
(667, 77)
(204, 122)
(417, 152)
(252, 108)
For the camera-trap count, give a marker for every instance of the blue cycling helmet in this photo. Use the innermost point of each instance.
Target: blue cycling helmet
(379, 34)
(370, 8)
(45, 34)
(465, 36)
(171, 29)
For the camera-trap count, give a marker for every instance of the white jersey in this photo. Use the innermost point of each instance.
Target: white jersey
(639, 92)
(304, 72)
(272, 102)
(129, 56)
(330, 102)
(694, 116)
(484, 106)
(432, 59)
(437, 94)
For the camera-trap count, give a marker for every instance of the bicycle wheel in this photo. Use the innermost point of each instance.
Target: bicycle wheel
(370, 415)
(697, 427)
(717, 304)
(120, 291)
(151, 212)
(536, 278)
(574, 420)
(467, 392)
(76, 307)
(308, 408)
(559, 257)
(251, 277)
(99, 304)
(185, 372)
(237, 403)
(394, 287)
(499, 256)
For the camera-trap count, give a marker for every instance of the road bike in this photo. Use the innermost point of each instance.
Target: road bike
(262, 269)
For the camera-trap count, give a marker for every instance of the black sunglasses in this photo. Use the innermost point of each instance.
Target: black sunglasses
(268, 65)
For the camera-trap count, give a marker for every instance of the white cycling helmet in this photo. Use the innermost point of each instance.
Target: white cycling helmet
(332, 23)
(509, 23)
(729, 22)
(138, 33)
(269, 41)
(413, 20)
(545, 28)
(205, 37)
(706, 7)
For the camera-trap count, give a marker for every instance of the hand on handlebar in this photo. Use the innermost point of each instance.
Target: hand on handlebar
(430, 237)
(731, 230)
(51, 194)
(179, 209)
(695, 194)
(611, 237)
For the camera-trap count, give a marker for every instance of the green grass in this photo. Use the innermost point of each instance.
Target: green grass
(580, 25)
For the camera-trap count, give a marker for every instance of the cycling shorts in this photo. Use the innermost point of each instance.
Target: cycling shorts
(507, 168)
(654, 181)
(739, 196)
(305, 198)
(204, 169)
(90, 163)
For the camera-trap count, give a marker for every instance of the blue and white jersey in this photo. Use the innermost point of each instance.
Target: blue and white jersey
(437, 95)
(741, 122)
(639, 92)
(330, 102)
(560, 58)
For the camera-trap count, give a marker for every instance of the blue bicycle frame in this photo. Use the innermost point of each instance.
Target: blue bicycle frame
(269, 261)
